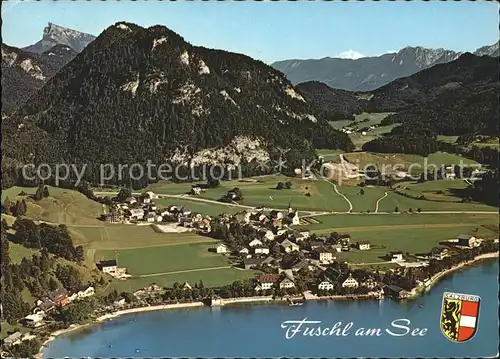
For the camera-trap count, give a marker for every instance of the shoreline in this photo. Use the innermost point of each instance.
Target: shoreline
(249, 300)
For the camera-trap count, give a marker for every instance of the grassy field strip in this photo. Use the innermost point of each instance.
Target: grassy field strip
(182, 271)
(340, 194)
(200, 241)
(391, 227)
(378, 201)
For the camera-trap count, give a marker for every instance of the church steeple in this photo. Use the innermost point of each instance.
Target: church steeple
(290, 209)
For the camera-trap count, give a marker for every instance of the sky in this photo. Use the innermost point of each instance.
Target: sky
(272, 31)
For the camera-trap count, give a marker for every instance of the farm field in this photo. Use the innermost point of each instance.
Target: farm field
(211, 209)
(161, 259)
(262, 192)
(403, 161)
(403, 203)
(62, 206)
(347, 223)
(403, 239)
(210, 278)
(365, 202)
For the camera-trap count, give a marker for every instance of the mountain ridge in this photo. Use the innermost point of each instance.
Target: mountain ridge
(369, 73)
(135, 94)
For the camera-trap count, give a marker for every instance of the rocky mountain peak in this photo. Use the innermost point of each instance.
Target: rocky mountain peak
(59, 35)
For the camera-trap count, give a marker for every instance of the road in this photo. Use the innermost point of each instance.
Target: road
(181, 271)
(378, 201)
(340, 194)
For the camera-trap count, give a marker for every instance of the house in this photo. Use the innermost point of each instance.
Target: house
(438, 253)
(268, 261)
(364, 246)
(467, 240)
(45, 305)
(119, 301)
(293, 217)
(298, 266)
(304, 234)
(221, 248)
(244, 251)
(396, 256)
(325, 285)
(269, 235)
(267, 281)
(261, 250)
(59, 297)
(286, 283)
(130, 200)
(369, 283)
(336, 247)
(243, 217)
(112, 217)
(350, 282)
(324, 255)
(289, 246)
(136, 213)
(150, 217)
(255, 243)
(396, 292)
(316, 244)
(12, 339)
(251, 262)
(108, 266)
(186, 286)
(196, 190)
(33, 320)
(151, 195)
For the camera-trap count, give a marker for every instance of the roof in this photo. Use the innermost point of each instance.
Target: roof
(14, 336)
(108, 263)
(269, 278)
(322, 250)
(268, 260)
(220, 245)
(58, 293)
(336, 245)
(300, 264)
(364, 242)
(395, 288)
(464, 236)
(316, 242)
(286, 243)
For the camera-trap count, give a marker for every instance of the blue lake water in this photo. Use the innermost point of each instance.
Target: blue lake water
(256, 331)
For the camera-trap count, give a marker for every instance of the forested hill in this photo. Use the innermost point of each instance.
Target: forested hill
(336, 104)
(457, 98)
(24, 73)
(137, 94)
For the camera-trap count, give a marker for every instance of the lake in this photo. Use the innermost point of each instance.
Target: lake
(257, 330)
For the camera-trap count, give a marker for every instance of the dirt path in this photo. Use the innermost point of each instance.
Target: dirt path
(182, 271)
(340, 194)
(378, 201)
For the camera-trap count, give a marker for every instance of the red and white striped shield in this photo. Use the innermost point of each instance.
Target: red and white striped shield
(459, 316)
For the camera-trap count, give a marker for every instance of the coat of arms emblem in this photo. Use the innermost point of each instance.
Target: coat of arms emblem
(459, 316)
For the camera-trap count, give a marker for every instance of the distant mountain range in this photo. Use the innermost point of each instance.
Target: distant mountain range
(369, 73)
(455, 98)
(58, 35)
(153, 96)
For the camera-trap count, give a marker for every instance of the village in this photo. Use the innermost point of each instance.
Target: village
(292, 261)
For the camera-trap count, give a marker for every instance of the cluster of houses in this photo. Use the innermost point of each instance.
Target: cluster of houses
(143, 210)
(57, 298)
(354, 129)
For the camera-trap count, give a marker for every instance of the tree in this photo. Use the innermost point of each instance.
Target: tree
(361, 191)
(124, 193)
(45, 191)
(53, 283)
(6, 206)
(419, 210)
(288, 184)
(410, 210)
(280, 185)
(39, 193)
(396, 209)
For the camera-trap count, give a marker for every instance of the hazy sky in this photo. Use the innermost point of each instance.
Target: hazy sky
(272, 31)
